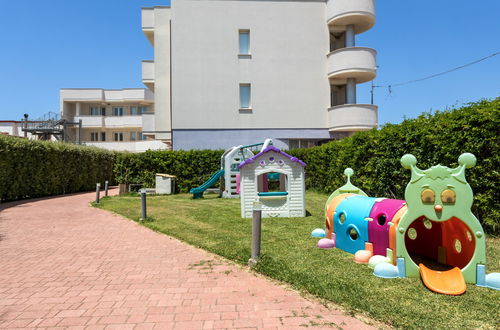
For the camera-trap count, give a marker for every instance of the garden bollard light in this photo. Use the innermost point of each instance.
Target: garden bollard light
(106, 188)
(256, 233)
(143, 204)
(97, 192)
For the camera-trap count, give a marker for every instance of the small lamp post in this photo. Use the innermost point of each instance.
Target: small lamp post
(256, 233)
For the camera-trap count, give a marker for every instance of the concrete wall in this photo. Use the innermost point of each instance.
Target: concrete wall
(13, 128)
(225, 138)
(287, 70)
(139, 146)
(162, 73)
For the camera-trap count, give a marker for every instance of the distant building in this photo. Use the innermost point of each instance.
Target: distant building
(121, 120)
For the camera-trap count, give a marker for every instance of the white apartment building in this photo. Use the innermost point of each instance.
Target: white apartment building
(121, 120)
(231, 72)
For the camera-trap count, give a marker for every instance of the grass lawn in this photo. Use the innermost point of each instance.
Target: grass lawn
(289, 254)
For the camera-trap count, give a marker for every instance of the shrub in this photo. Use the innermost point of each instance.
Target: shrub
(31, 168)
(191, 168)
(433, 138)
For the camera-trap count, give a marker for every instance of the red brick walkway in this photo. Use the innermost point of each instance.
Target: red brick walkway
(65, 264)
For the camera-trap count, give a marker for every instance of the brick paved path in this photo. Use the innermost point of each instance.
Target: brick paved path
(65, 264)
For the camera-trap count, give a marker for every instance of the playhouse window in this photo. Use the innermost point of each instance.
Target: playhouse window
(272, 182)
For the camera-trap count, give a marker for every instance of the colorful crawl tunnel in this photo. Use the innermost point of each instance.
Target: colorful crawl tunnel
(432, 233)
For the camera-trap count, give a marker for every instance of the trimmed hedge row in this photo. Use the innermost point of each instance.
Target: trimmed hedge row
(437, 138)
(191, 168)
(31, 168)
(374, 155)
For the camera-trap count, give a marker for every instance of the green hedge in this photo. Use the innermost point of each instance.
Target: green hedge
(374, 155)
(31, 169)
(191, 168)
(437, 138)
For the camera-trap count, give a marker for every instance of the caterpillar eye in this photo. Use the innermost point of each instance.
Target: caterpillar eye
(448, 196)
(428, 196)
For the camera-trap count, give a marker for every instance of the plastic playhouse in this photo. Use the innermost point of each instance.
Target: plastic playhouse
(432, 234)
(229, 170)
(276, 180)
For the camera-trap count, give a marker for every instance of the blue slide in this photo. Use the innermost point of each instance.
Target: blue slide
(198, 191)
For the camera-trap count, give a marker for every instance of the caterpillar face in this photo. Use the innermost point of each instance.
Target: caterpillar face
(439, 193)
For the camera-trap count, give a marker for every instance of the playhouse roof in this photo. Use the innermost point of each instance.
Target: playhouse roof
(271, 148)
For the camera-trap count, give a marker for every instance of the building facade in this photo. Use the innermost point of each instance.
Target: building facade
(121, 120)
(236, 72)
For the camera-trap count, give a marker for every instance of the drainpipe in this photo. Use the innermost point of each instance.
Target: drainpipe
(351, 91)
(350, 36)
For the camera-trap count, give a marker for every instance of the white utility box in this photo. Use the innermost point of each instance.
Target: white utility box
(165, 184)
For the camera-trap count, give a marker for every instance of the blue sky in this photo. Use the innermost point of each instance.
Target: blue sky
(52, 44)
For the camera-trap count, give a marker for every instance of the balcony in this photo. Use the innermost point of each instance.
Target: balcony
(148, 74)
(110, 121)
(141, 95)
(123, 121)
(148, 23)
(360, 13)
(90, 121)
(351, 62)
(352, 117)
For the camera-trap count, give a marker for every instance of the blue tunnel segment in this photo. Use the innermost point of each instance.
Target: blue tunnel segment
(351, 228)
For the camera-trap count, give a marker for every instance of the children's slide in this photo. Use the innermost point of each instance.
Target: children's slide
(198, 191)
(449, 282)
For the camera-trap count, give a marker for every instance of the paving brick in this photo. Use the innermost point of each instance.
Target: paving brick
(67, 265)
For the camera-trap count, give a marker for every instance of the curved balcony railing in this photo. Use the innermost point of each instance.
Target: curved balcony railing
(352, 117)
(352, 62)
(360, 13)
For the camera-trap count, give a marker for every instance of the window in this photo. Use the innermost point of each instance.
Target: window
(245, 96)
(94, 136)
(103, 136)
(117, 111)
(142, 137)
(334, 96)
(103, 111)
(296, 144)
(118, 136)
(133, 110)
(244, 41)
(95, 111)
(143, 109)
(133, 136)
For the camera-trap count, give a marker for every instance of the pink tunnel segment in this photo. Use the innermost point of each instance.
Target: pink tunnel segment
(378, 229)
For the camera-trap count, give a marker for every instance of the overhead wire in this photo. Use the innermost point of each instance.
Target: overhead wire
(390, 86)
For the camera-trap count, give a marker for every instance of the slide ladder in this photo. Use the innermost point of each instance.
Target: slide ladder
(450, 282)
(198, 191)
